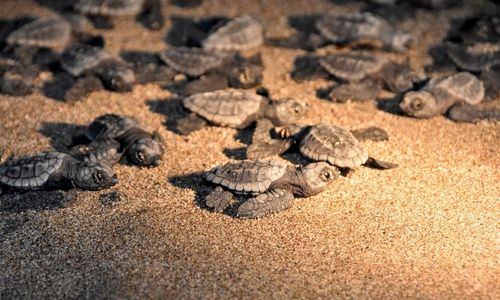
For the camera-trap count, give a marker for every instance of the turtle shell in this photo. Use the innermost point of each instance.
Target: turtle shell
(250, 176)
(31, 172)
(231, 108)
(463, 87)
(109, 126)
(352, 66)
(80, 58)
(43, 32)
(474, 57)
(334, 145)
(241, 33)
(193, 61)
(109, 7)
(347, 28)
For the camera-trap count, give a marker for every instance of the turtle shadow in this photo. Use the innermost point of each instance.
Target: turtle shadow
(391, 104)
(186, 3)
(35, 200)
(57, 87)
(307, 67)
(196, 182)
(171, 108)
(57, 5)
(62, 136)
(190, 32)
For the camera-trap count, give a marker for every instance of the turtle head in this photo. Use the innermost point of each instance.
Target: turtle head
(245, 75)
(286, 111)
(147, 151)
(94, 176)
(317, 176)
(419, 104)
(400, 41)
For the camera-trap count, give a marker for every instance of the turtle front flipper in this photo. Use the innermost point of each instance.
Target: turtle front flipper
(464, 112)
(219, 199)
(379, 164)
(371, 133)
(273, 201)
(207, 83)
(105, 151)
(263, 142)
(356, 91)
(190, 123)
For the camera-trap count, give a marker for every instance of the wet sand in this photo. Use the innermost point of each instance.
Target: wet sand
(427, 229)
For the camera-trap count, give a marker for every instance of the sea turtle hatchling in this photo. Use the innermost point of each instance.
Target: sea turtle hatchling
(237, 109)
(241, 33)
(92, 65)
(352, 30)
(361, 74)
(440, 94)
(272, 183)
(101, 11)
(323, 142)
(15, 78)
(53, 171)
(213, 69)
(361, 28)
(139, 146)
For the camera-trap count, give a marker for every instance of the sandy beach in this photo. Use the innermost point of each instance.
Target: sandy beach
(427, 229)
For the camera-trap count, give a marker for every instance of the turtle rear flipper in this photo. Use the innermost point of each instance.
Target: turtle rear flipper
(356, 91)
(464, 112)
(207, 83)
(273, 201)
(152, 16)
(379, 164)
(190, 123)
(82, 88)
(219, 199)
(263, 143)
(371, 133)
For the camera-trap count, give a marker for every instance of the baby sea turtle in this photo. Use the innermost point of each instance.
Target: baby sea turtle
(362, 75)
(38, 41)
(272, 183)
(139, 146)
(353, 29)
(214, 70)
(362, 28)
(237, 109)
(440, 94)
(101, 11)
(148, 67)
(53, 171)
(242, 33)
(324, 142)
(480, 58)
(15, 78)
(92, 65)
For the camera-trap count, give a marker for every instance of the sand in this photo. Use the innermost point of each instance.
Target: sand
(427, 229)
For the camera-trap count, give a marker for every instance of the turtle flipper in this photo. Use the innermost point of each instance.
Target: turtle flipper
(464, 112)
(379, 164)
(82, 88)
(370, 133)
(263, 143)
(106, 151)
(264, 204)
(207, 83)
(219, 199)
(190, 123)
(356, 91)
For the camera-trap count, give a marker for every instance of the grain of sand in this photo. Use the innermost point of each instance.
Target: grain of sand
(428, 229)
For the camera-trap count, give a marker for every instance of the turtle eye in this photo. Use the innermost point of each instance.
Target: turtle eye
(417, 104)
(140, 156)
(98, 177)
(296, 109)
(327, 175)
